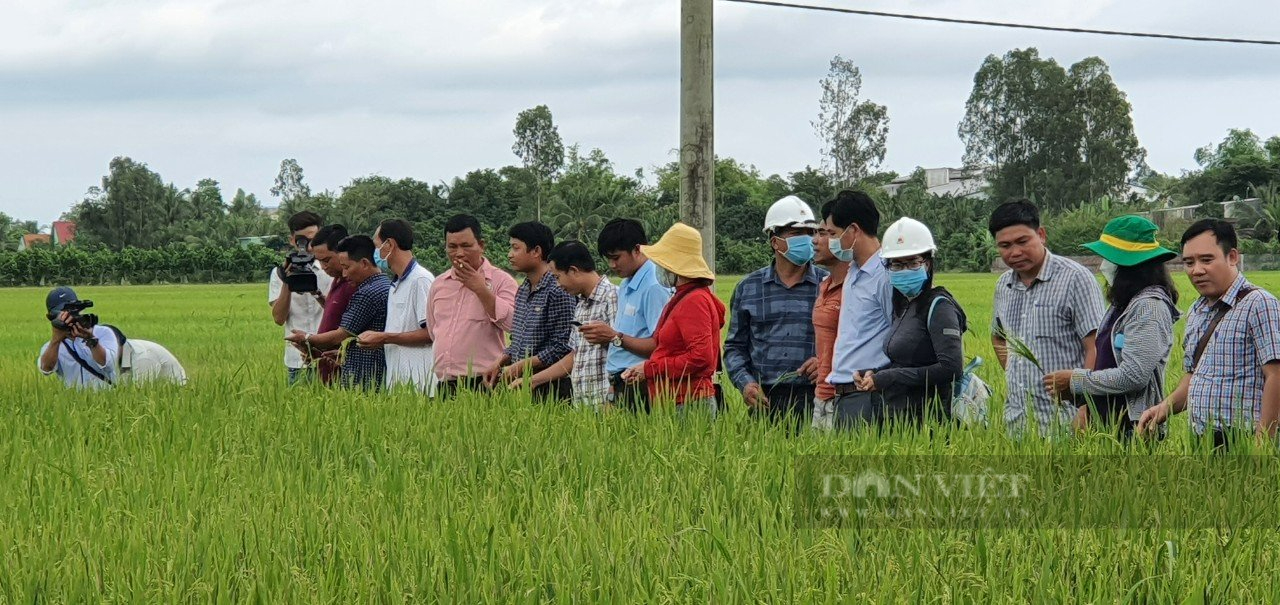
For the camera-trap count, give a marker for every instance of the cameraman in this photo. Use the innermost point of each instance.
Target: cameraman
(84, 357)
(298, 311)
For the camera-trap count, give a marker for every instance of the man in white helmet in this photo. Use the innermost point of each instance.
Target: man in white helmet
(770, 354)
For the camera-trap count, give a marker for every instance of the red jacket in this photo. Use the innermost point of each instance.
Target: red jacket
(688, 345)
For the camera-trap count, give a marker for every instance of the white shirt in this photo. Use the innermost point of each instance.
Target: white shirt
(304, 310)
(144, 361)
(74, 374)
(407, 312)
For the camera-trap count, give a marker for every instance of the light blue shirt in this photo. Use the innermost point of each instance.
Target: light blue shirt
(640, 302)
(865, 318)
(72, 373)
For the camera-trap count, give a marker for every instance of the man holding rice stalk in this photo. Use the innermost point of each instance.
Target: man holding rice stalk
(1046, 312)
(769, 353)
(407, 339)
(367, 311)
(1232, 361)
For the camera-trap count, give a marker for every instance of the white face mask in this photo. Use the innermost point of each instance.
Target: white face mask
(1108, 270)
(664, 277)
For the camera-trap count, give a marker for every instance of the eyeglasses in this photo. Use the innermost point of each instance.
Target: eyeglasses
(904, 265)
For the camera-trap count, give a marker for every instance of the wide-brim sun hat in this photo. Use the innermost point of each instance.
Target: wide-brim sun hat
(680, 252)
(1130, 240)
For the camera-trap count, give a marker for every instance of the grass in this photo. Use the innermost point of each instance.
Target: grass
(236, 489)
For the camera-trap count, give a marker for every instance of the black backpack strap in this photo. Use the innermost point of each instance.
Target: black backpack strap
(84, 364)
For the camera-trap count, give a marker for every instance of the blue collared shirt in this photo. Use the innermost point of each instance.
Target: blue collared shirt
(771, 329)
(865, 318)
(640, 302)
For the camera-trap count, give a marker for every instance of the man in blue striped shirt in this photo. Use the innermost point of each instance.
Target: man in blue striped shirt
(770, 353)
(1232, 361)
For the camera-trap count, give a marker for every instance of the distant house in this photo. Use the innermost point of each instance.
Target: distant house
(946, 181)
(31, 240)
(63, 232)
(1237, 208)
(255, 240)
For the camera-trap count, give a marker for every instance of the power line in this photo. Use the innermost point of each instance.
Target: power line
(1070, 30)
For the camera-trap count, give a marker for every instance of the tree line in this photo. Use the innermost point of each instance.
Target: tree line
(1061, 136)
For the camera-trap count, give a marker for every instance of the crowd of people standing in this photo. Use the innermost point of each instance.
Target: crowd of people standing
(846, 326)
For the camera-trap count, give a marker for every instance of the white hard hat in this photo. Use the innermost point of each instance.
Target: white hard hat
(906, 237)
(787, 212)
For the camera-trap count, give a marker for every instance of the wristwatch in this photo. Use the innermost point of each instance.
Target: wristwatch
(617, 340)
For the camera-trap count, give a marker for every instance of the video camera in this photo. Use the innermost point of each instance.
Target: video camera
(298, 272)
(74, 309)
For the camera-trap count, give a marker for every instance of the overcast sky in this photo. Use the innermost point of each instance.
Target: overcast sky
(429, 90)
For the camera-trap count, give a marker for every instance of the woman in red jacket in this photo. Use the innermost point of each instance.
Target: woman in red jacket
(687, 356)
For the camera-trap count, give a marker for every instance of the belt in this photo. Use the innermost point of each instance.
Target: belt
(846, 389)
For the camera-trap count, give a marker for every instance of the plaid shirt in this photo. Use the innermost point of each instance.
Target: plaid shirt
(1226, 388)
(367, 311)
(1052, 316)
(771, 327)
(542, 321)
(590, 380)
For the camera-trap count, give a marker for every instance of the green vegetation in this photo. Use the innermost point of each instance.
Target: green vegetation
(236, 489)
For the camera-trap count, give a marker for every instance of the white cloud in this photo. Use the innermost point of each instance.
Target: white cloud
(226, 88)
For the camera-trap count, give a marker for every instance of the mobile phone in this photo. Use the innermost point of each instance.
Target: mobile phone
(575, 323)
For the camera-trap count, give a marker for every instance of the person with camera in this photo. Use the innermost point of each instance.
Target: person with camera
(80, 351)
(297, 290)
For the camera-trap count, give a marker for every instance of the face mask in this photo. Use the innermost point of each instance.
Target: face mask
(844, 255)
(799, 249)
(1108, 270)
(909, 281)
(664, 277)
(379, 260)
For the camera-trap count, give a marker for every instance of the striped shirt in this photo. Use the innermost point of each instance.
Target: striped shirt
(771, 327)
(1226, 388)
(590, 380)
(541, 328)
(1061, 307)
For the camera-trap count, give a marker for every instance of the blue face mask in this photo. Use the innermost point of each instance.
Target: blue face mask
(799, 249)
(844, 255)
(380, 261)
(909, 281)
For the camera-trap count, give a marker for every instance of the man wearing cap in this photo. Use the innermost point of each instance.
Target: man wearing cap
(770, 353)
(85, 358)
(1136, 334)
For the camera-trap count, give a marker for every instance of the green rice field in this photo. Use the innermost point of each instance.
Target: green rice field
(237, 489)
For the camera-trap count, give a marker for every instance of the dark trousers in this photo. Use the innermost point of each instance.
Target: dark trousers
(630, 397)
(557, 390)
(860, 408)
(790, 404)
(448, 388)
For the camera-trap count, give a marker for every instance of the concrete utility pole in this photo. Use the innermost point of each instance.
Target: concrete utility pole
(697, 122)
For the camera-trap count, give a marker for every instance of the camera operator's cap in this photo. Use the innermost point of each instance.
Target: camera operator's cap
(59, 297)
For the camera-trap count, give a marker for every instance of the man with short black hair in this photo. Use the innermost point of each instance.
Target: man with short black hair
(324, 247)
(294, 310)
(1052, 304)
(407, 341)
(867, 311)
(469, 309)
(540, 336)
(1232, 357)
(640, 302)
(575, 271)
(362, 368)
